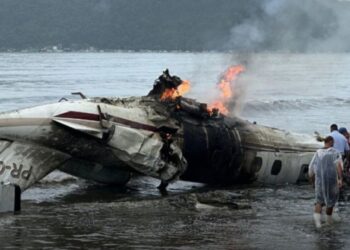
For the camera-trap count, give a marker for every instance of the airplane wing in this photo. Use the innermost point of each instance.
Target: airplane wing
(24, 164)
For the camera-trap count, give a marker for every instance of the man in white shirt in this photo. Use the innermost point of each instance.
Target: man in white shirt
(340, 142)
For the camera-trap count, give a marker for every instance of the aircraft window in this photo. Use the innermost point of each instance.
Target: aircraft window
(276, 167)
(303, 175)
(256, 165)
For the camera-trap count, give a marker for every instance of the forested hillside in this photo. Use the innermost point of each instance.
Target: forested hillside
(194, 25)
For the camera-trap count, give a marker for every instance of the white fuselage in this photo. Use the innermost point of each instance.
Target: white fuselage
(107, 140)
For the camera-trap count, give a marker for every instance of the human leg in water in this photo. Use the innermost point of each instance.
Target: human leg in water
(329, 212)
(317, 215)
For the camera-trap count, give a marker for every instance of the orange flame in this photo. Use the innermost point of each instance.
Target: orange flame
(219, 106)
(225, 85)
(173, 93)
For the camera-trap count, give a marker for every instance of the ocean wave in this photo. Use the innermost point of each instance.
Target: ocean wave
(11, 104)
(294, 104)
(28, 99)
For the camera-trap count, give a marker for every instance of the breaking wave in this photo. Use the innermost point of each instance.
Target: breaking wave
(296, 104)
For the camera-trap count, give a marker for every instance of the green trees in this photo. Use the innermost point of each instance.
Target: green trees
(119, 24)
(194, 25)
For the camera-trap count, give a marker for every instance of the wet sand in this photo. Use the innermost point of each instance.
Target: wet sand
(87, 215)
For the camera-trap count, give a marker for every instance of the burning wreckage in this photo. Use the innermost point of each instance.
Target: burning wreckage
(163, 135)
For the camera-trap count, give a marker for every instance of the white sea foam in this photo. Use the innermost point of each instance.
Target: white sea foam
(58, 177)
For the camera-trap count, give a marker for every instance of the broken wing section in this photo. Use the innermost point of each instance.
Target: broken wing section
(78, 125)
(24, 164)
(148, 153)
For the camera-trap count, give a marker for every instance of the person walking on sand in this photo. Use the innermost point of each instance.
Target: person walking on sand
(325, 172)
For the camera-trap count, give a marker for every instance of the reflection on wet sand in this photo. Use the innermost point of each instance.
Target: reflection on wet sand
(191, 216)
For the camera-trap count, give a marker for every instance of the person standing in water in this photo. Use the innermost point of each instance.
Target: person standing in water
(340, 142)
(346, 158)
(325, 172)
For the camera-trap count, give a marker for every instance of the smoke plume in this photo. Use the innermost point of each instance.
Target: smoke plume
(294, 26)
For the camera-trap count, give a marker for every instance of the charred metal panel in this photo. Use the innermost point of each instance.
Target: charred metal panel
(212, 153)
(96, 172)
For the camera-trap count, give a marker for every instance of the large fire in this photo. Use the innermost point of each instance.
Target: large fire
(226, 85)
(173, 93)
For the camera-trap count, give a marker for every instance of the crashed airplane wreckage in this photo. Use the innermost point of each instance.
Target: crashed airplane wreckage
(109, 140)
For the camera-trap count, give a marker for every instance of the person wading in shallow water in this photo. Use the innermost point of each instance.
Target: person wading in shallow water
(325, 172)
(346, 157)
(340, 142)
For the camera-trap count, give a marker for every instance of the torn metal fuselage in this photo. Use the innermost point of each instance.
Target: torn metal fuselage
(108, 139)
(90, 138)
(228, 150)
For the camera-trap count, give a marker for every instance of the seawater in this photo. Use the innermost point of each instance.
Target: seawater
(296, 92)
